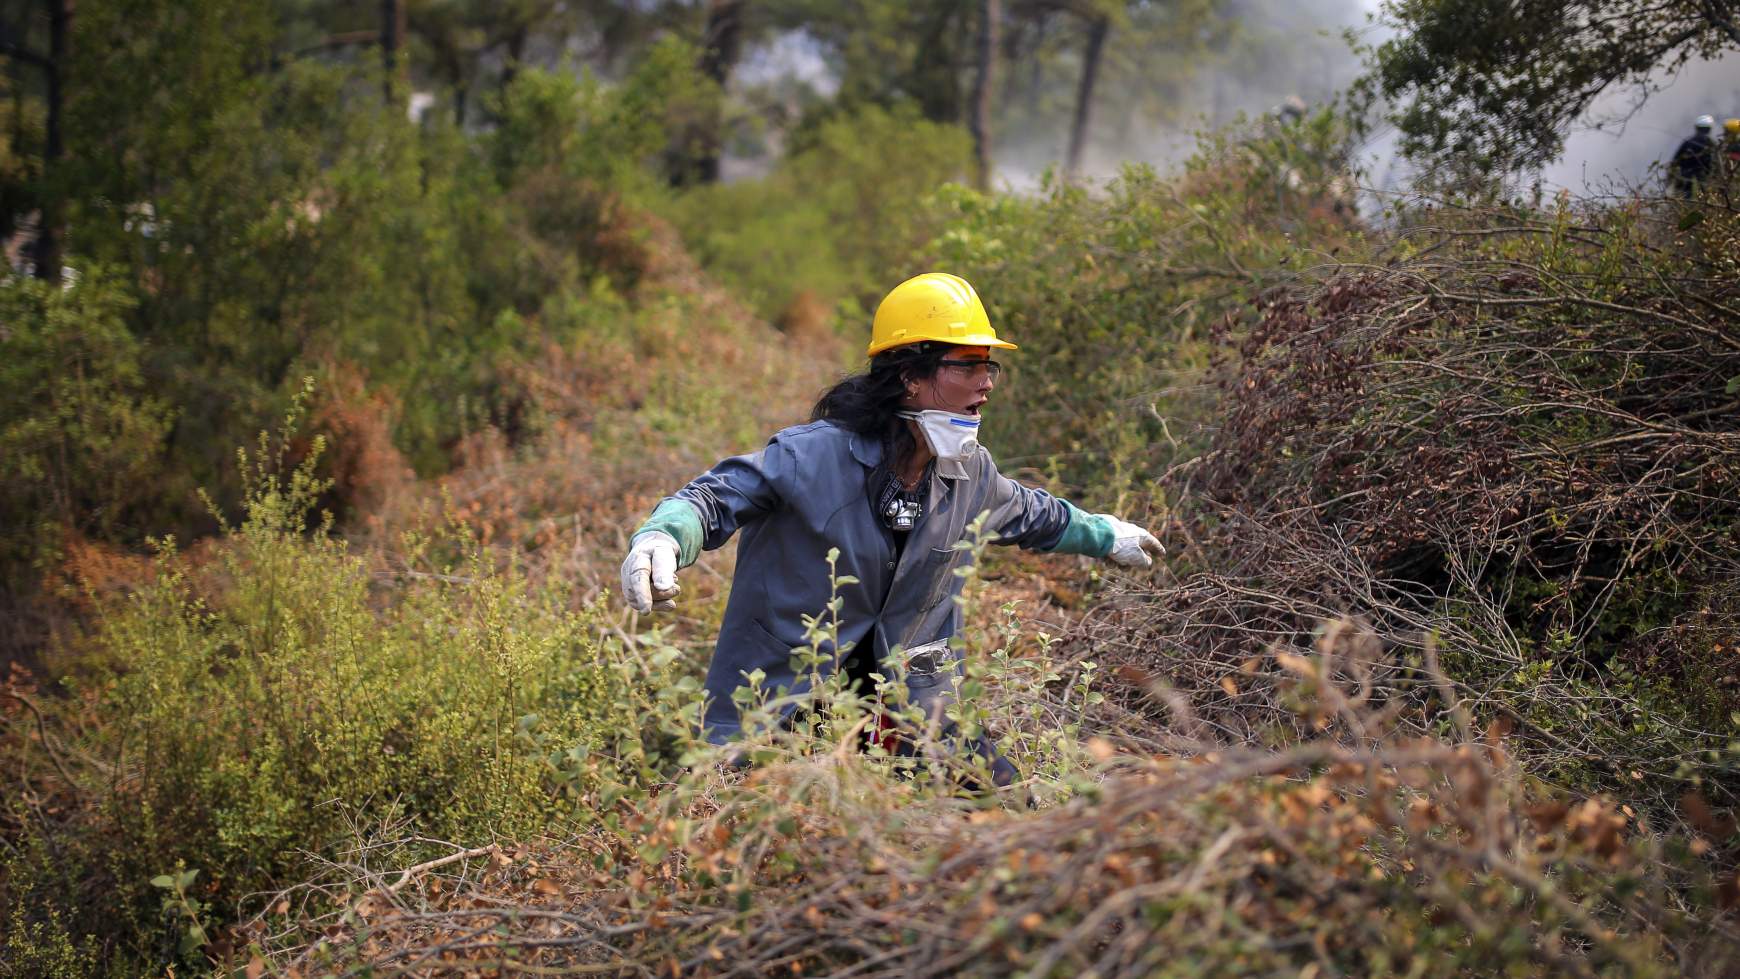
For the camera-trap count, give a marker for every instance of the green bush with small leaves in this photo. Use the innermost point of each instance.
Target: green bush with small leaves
(841, 218)
(1114, 294)
(79, 425)
(276, 702)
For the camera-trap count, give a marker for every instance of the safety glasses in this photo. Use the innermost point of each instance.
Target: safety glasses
(971, 368)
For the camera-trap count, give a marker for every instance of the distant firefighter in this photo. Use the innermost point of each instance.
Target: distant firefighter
(1695, 160)
(1291, 111)
(1731, 145)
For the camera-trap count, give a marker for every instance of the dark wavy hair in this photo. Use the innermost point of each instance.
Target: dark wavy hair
(866, 403)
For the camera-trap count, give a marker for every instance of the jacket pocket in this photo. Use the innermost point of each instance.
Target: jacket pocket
(763, 637)
(942, 563)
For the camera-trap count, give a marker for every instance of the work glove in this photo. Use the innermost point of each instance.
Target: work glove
(1132, 545)
(649, 573)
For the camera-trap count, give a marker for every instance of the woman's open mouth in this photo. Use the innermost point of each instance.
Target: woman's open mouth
(973, 409)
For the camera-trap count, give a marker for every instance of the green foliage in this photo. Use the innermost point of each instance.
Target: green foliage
(269, 216)
(19, 168)
(39, 947)
(894, 51)
(1490, 86)
(1114, 296)
(188, 913)
(614, 135)
(834, 220)
(79, 429)
(272, 222)
(284, 702)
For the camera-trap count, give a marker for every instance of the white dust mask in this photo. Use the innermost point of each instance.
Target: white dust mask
(952, 437)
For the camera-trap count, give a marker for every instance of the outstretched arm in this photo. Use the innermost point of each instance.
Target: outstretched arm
(1110, 537)
(1035, 519)
(702, 515)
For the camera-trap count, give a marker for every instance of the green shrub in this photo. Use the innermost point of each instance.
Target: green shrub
(278, 702)
(291, 221)
(40, 948)
(613, 134)
(79, 430)
(1114, 295)
(1391, 853)
(840, 217)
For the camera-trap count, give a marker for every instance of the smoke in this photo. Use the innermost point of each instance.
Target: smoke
(1279, 49)
(1621, 142)
(1285, 48)
(1152, 103)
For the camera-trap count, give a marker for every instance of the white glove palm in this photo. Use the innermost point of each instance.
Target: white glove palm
(1132, 545)
(649, 573)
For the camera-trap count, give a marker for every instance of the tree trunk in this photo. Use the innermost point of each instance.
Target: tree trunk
(984, 84)
(51, 233)
(934, 78)
(516, 54)
(1084, 95)
(722, 42)
(392, 42)
(721, 45)
(1036, 83)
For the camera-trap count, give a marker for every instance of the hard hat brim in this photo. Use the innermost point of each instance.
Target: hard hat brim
(978, 340)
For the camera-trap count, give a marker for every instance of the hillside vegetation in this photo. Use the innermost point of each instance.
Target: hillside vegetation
(322, 466)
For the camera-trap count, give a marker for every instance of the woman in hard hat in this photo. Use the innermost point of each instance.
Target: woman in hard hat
(889, 471)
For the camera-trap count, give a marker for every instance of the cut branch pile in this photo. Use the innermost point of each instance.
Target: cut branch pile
(1359, 852)
(1519, 433)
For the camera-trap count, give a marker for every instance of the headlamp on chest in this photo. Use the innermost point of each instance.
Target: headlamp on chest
(901, 514)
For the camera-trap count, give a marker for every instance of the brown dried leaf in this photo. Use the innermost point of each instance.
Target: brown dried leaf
(1547, 816)
(1133, 675)
(1705, 820)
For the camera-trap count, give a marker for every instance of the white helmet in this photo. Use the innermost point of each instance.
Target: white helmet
(1705, 122)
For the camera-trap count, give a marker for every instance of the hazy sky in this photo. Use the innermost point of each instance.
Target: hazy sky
(1610, 150)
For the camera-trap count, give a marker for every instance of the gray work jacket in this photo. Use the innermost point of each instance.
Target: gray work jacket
(808, 491)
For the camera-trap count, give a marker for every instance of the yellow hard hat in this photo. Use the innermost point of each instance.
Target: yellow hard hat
(932, 306)
(1732, 126)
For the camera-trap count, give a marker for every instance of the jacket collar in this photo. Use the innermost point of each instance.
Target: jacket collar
(951, 469)
(868, 452)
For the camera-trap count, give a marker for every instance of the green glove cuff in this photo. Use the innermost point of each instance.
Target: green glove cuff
(682, 521)
(1087, 533)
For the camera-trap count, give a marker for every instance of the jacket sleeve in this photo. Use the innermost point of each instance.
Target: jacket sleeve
(1038, 521)
(738, 490)
(1030, 518)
